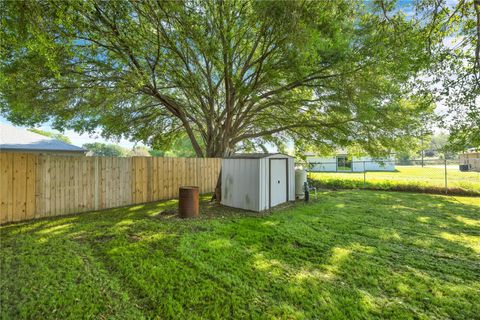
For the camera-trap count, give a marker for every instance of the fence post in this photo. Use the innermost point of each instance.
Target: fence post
(96, 184)
(446, 180)
(364, 175)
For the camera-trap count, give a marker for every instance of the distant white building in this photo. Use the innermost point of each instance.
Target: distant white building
(470, 161)
(343, 162)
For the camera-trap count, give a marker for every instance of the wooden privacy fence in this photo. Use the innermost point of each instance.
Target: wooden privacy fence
(36, 186)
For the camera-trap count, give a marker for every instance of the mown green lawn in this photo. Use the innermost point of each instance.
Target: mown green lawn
(429, 178)
(348, 255)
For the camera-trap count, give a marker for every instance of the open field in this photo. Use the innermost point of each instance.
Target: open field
(350, 254)
(413, 178)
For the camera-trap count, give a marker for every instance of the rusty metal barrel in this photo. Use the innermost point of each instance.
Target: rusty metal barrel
(188, 204)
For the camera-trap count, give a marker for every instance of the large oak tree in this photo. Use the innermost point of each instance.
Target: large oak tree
(453, 77)
(228, 74)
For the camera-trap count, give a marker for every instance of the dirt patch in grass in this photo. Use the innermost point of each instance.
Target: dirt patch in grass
(167, 213)
(134, 238)
(103, 238)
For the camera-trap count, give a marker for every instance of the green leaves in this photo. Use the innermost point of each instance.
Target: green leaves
(54, 135)
(224, 74)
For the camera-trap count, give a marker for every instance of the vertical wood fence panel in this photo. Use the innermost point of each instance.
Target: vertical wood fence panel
(34, 186)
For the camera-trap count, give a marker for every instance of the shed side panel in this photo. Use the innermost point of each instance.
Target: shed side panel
(240, 186)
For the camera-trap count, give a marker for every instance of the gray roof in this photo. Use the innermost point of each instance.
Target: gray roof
(15, 139)
(255, 155)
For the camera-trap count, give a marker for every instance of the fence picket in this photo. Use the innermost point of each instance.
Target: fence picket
(47, 201)
(19, 186)
(5, 187)
(30, 195)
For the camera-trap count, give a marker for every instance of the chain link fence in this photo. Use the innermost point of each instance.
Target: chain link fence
(430, 176)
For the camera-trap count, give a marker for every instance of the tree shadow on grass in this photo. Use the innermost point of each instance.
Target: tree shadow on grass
(347, 255)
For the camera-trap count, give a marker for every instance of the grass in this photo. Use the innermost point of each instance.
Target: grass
(406, 178)
(349, 255)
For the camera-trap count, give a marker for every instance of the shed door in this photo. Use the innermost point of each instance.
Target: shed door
(278, 181)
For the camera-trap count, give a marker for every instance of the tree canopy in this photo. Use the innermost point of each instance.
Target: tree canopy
(54, 135)
(453, 77)
(105, 150)
(226, 74)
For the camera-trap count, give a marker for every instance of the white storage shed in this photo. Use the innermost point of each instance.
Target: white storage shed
(257, 181)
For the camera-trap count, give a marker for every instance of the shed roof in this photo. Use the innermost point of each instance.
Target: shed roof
(15, 139)
(255, 155)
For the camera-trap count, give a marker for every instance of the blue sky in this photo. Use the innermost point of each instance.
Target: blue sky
(76, 138)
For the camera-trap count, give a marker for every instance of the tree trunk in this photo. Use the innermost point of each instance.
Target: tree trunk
(224, 152)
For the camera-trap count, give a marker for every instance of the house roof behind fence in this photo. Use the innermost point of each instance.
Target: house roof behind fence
(15, 139)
